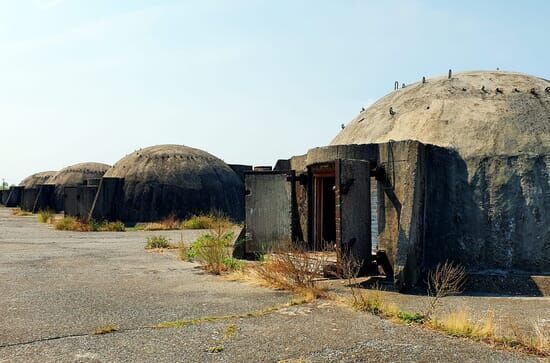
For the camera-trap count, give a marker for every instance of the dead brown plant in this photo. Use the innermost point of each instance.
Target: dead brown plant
(447, 279)
(290, 267)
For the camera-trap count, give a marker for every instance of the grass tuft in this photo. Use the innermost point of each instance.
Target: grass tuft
(106, 329)
(169, 223)
(230, 332)
(20, 213)
(45, 216)
(216, 349)
(74, 224)
(203, 221)
(157, 242)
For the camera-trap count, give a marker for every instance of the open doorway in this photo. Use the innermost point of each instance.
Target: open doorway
(324, 207)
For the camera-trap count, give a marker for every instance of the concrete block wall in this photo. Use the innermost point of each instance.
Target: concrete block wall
(4, 196)
(79, 200)
(28, 198)
(108, 199)
(45, 200)
(14, 197)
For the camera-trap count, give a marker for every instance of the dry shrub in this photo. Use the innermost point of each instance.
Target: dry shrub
(20, 213)
(446, 280)
(169, 223)
(116, 226)
(292, 268)
(45, 216)
(540, 340)
(537, 342)
(70, 224)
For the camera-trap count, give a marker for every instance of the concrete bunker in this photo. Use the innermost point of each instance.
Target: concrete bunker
(467, 180)
(153, 183)
(37, 194)
(73, 176)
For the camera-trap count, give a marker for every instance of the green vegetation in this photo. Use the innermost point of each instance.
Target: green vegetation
(213, 251)
(157, 242)
(216, 349)
(74, 224)
(410, 318)
(199, 222)
(206, 221)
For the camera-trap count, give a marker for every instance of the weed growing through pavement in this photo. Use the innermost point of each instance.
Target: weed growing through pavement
(106, 329)
(157, 242)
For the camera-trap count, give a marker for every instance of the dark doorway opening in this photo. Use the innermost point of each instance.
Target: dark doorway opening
(324, 212)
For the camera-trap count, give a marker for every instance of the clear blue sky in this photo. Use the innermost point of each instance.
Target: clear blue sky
(249, 81)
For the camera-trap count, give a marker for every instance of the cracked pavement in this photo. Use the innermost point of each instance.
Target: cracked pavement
(57, 287)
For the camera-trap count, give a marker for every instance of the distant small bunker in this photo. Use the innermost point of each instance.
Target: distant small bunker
(75, 175)
(153, 183)
(35, 192)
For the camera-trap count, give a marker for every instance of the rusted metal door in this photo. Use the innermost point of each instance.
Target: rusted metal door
(268, 203)
(353, 213)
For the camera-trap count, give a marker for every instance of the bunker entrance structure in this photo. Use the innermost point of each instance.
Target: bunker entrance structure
(451, 168)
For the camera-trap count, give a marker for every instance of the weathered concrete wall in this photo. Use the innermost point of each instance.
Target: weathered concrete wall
(45, 200)
(28, 198)
(402, 208)
(240, 170)
(489, 213)
(301, 198)
(79, 200)
(14, 197)
(108, 199)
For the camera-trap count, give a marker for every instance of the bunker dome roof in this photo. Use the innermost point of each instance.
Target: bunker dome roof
(78, 173)
(176, 165)
(481, 113)
(36, 179)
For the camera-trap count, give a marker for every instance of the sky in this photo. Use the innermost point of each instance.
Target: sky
(248, 81)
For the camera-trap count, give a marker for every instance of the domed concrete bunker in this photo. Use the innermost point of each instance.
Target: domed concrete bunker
(36, 193)
(37, 179)
(447, 168)
(73, 176)
(153, 183)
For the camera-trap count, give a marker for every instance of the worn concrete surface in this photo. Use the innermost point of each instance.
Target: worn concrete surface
(56, 287)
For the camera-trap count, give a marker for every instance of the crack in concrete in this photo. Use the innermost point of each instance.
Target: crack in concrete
(176, 324)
